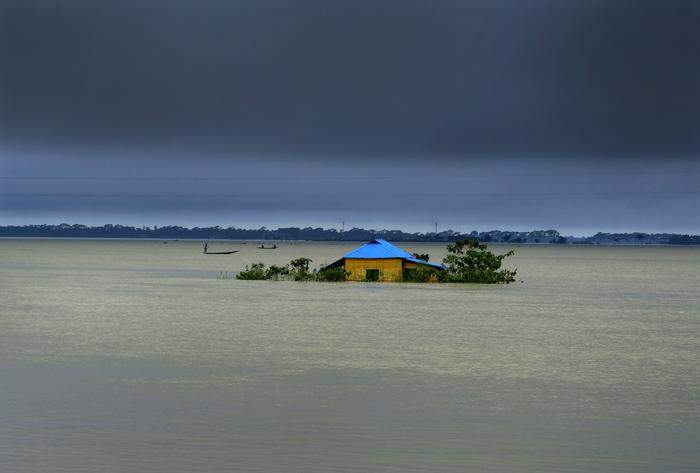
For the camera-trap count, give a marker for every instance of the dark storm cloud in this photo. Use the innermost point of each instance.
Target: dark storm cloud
(444, 79)
(581, 115)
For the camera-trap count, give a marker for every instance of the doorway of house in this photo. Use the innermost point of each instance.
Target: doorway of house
(371, 275)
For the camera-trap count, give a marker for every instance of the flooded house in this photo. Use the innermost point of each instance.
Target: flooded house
(379, 260)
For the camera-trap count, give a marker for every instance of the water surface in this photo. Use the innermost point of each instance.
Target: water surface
(131, 356)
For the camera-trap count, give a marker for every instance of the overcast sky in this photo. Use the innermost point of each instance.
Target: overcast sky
(512, 114)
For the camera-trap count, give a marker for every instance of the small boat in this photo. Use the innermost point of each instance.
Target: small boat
(207, 252)
(263, 247)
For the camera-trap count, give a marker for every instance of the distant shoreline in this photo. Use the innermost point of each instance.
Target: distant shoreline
(296, 234)
(255, 241)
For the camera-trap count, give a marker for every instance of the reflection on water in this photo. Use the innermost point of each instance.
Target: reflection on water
(132, 356)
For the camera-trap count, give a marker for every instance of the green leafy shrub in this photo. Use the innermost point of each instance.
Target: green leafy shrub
(336, 274)
(276, 272)
(256, 271)
(296, 270)
(420, 274)
(300, 264)
(469, 261)
(299, 269)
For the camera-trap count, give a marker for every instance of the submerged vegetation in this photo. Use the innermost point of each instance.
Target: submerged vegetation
(468, 261)
(422, 274)
(336, 274)
(296, 270)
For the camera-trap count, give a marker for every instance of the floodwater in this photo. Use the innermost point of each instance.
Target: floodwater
(131, 356)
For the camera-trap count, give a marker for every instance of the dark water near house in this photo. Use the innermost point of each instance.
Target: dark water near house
(132, 357)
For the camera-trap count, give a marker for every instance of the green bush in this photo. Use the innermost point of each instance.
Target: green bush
(336, 274)
(420, 274)
(469, 261)
(256, 271)
(299, 269)
(296, 270)
(300, 264)
(276, 272)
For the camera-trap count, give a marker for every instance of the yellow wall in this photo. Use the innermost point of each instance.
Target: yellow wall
(389, 269)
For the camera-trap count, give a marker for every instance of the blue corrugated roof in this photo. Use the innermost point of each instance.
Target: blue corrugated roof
(382, 249)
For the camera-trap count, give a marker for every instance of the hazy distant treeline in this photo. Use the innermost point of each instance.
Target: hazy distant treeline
(331, 234)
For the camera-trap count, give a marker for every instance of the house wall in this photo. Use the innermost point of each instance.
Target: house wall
(390, 270)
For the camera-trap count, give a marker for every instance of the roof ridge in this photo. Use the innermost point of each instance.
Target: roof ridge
(378, 248)
(382, 249)
(392, 249)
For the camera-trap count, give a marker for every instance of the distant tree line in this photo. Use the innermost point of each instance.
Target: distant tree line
(684, 240)
(330, 234)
